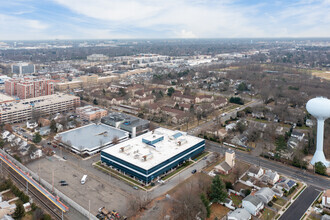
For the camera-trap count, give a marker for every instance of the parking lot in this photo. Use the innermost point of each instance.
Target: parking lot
(101, 192)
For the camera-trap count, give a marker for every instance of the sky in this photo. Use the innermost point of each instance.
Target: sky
(122, 19)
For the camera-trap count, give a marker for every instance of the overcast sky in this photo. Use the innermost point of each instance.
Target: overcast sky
(115, 19)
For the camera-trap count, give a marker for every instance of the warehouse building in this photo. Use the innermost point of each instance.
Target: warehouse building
(134, 125)
(151, 155)
(90, 139)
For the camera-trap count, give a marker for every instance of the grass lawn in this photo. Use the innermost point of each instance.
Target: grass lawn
(280, 201)
(8, 196)
(245, 177)
(187, 163)
(240, 166)
(268, 214)
(205, 153)
(218, 211)
(237, 200)
(238, 186)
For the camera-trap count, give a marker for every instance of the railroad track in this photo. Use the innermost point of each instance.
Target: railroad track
(51, 208)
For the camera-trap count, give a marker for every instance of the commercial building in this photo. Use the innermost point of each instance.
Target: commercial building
(91, 113)
(22, 110)
(23, 68)
(90, 139)
(151, 155)
(97, 57)
(30, 87)
(134, 125)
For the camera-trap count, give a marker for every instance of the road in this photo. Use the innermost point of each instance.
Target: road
(304, 201)
(296, 173)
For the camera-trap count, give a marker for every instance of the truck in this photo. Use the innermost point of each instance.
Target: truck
(83, 179)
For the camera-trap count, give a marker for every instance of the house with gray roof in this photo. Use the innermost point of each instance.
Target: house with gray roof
(265, 194)
(239, 214)
(252, 204)
(270, 177)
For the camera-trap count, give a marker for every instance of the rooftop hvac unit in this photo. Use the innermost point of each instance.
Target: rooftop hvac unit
(125, 148)
(147, 157)
(181, 142)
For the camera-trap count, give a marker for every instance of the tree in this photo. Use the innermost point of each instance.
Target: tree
(218, 193)
(236, 100)
(170, 91)
(320, 168)
(38, 214)
(37, 138)
(8, 127)
(95, 102)
(122, 92)
(206, 203)
(19, 211)
(242, 87)
(53, 127)
(240, 127)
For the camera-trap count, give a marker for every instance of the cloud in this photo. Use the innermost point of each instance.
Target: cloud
(165, 18)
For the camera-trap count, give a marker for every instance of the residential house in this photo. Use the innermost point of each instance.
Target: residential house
(326, 199)
(117, 101)
(309, 123)
(140, 94)
(252, 204)
(219, 103)
(179, 119)
(255, 171)
(285, 184)
(278, 192)
(183, 98)
(154, 108)
(258, 115)
(230, 127)
(270, 177)
(239, 214)
(226, 166)
(204, 98)
(147, 100)
(265, 194)
(298, 135)
(184, 107)
(6, 208)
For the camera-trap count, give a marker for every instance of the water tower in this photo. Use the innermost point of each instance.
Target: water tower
(319, 107)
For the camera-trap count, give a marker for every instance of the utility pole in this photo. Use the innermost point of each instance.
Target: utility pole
(27, 187)
(39, 171)
(53, 182)
(89, 209)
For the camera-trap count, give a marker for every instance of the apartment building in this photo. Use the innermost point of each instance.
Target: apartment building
(91, 113)
(26, 88)
(22, 110)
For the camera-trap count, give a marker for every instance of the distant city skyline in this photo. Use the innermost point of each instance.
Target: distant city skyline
(122, 19)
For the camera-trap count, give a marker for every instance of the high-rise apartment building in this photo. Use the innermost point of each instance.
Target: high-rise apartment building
(26, 88)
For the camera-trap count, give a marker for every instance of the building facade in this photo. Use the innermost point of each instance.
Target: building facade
(91, 113)
(26, 88)
(22, 110)
(23, 68)
(151, 155)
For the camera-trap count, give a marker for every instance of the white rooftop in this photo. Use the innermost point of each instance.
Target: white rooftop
(156, 148)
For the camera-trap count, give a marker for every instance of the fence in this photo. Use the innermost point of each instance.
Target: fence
(49, 187)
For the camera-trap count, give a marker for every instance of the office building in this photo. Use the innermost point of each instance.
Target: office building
(151, 155)
(23, 68)
(134, 125)
(91, 113)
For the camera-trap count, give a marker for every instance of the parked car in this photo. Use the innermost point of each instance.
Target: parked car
(64, 184)
(193, 171)
(135, 187)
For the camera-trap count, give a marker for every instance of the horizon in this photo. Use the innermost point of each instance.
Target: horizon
(180, 19)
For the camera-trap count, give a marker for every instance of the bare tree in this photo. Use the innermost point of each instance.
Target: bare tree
(115, 140)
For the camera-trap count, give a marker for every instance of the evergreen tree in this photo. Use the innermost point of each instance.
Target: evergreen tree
(218, 192)
(19, 211)
(320, 168)
(95, 102)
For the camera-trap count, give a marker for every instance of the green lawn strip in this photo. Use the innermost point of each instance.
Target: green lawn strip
(205, 153)
(127, 179)
(299, 193)
(188, 163)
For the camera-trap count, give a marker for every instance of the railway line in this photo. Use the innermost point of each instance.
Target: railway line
(48, 201)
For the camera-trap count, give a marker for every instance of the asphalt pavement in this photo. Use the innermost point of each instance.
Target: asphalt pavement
(300, 205)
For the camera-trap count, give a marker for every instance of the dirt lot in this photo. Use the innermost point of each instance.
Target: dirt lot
(99, 191)
(218, 211)
(187, 192)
